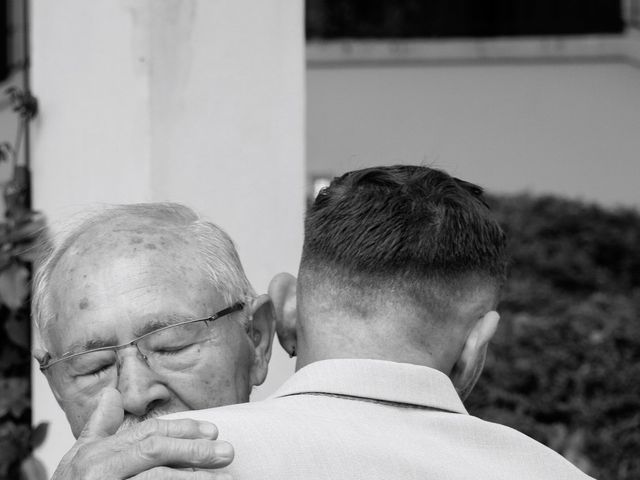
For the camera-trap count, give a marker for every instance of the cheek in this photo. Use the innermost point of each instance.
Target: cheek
(78, 413)
(220, 378)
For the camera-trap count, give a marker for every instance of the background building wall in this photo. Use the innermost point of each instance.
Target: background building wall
(191, 101)
(564, 124)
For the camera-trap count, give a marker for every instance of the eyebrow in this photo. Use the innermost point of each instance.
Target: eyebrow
(79, 347)
(158, 323)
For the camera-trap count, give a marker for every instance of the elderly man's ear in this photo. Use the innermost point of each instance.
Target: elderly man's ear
(282, 290)
(41, 356)
(262, 331)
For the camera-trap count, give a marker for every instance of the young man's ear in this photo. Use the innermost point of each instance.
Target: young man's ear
(262, 331)
(471, 361)
(282, 290)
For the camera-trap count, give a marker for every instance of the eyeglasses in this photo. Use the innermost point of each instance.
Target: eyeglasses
(167, 349)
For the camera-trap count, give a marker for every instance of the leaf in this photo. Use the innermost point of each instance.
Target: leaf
(8, 455)
(18, 332)
(14, 286)
(14, 445)
(38, 434)
(10, 357)
(33, 469)
(26, 230)
(14, 396)
(6, 151)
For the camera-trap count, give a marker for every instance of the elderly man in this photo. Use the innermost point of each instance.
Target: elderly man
(151, 301)
(398, 285)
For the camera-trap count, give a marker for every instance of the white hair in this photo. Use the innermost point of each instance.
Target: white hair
(219, 259)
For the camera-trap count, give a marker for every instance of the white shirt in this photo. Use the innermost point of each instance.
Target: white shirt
(373, 419)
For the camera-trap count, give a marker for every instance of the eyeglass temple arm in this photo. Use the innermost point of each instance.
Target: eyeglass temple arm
(233, 308)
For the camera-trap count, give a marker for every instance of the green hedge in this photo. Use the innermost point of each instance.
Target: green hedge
(564, 367)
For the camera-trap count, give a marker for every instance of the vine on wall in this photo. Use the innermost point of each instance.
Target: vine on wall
(18, 232)
(17, 437)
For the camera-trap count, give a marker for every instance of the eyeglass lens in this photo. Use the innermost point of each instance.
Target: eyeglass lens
(168, 350)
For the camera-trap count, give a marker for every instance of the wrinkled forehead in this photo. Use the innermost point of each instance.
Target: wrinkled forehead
(141, 242)
(127, 271)
(125, 237)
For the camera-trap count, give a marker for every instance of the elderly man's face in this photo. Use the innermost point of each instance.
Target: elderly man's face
(110, 289)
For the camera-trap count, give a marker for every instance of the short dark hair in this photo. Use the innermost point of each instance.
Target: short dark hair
(402, 222)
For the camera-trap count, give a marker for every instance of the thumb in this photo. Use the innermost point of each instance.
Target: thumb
(107, 417)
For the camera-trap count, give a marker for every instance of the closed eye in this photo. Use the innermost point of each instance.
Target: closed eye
(172, 350)
(99, 371)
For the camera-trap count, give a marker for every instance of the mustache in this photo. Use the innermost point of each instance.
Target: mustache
(130, 420)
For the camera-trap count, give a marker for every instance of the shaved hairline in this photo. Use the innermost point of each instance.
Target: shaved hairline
(439, 299)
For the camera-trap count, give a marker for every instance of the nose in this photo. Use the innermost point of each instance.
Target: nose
(142, 389)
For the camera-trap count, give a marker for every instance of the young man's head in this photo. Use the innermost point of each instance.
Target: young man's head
(401, 263)
(153, 301)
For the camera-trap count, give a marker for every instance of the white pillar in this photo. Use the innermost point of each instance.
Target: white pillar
(192, 101)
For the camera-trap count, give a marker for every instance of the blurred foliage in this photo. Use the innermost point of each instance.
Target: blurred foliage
(564, 367)
(459, 18)
(17, 235)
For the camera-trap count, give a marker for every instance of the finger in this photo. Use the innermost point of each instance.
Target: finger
(179, 428)
(156, 451)
(166, 473)
(107, 417)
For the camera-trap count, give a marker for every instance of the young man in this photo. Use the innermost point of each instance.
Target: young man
(394, 308)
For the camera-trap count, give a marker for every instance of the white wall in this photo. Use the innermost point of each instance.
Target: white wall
(192, 101)
(565, 127)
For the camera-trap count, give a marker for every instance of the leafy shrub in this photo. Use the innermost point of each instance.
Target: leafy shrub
(17, 233)
(564, 367)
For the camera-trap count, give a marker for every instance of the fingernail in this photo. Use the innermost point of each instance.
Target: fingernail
(224, 449)
(208, 429)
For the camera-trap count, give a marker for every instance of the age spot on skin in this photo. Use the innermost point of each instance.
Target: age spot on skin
(84, 304)
(150, 246)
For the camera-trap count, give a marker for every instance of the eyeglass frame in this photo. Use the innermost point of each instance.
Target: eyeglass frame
(47, 363)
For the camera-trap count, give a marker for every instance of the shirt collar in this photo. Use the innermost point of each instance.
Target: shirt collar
(377, 380)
